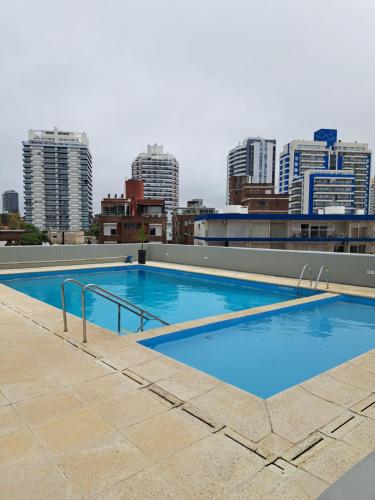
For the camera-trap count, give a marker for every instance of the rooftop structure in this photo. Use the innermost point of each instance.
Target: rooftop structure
(123, 217)
(259, 198)
(183, 220)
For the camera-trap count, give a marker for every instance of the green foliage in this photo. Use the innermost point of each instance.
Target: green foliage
(33, 237)
(93, 231)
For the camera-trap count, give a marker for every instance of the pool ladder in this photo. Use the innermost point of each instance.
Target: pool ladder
(102, 292)
(321, 270)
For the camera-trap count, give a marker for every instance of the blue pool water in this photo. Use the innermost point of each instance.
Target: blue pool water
(173, 296)
(267, 355)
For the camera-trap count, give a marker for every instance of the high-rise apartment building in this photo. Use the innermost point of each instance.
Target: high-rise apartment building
(316, 190)
(10, 202)
(57, 180)
(372, 197)
(254, 157)
(324, 153)
(160, 173)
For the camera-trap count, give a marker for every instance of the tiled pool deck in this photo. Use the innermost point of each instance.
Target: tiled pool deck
(112, 419)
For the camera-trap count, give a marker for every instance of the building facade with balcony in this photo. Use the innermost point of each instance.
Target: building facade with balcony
(316, 190)
(325, 153)
(253, 157)
(57, 180)
(326, 233)
(183, 221)
(123, 218)
(160, 173)
(372, 196)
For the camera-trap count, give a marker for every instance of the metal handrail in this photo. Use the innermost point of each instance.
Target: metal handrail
(323, 268)
(306, 266)
(102, 292)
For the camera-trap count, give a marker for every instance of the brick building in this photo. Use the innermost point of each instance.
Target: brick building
(183, 221)
(259, 198)
(122, 218)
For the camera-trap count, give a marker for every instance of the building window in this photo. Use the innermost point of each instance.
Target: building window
(155, 230)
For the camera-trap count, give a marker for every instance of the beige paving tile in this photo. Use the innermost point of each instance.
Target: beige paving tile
(366, 361)
(129, 409)
(35, 411)
(164, 434)
(28, 384)
(188, 383)
(73, 430)
(3, 400)
(20, 451)
(44, 481)
(272, 484)
(274, 444)
(258, 486)
(213, 466)
(128, 355)
(296, 413)
(9, 420)
(76, 372)
(103, 464)
(351, 374)
(299, 486)
(153, 482)
(157, 369)
(366, 407)
(331, 389)
(245, 413)
(105, 389)
(362, 436)
(333, 461)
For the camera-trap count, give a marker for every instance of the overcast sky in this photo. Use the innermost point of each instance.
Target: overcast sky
(196, 76)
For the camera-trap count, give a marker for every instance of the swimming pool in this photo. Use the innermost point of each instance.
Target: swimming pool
(173, 296)
(267, 353)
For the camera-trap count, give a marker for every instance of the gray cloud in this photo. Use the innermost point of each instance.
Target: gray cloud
(196, 76)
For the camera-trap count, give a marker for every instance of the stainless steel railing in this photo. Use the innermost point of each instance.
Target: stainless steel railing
(305, 267)
(102, 292)
(323, 268)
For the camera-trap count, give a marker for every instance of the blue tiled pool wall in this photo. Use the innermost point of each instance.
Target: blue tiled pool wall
(270, 352)
(169, 337)
(303, 292)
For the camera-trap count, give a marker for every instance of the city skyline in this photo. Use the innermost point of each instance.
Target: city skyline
(181, 94)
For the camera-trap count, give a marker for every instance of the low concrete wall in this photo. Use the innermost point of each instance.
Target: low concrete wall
(351, 269)
(56, 255)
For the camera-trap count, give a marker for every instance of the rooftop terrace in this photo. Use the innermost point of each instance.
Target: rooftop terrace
(112, 419)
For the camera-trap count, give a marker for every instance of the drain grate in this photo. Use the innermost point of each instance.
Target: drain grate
(136, 378)
(167, 396)
(306, 449)
(244, 443)
(202, 417)
(342, 424)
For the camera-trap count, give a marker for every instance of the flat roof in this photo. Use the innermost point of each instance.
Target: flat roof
(287, 217)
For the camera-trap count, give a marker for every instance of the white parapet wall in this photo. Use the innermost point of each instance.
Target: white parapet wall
(351, 269)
